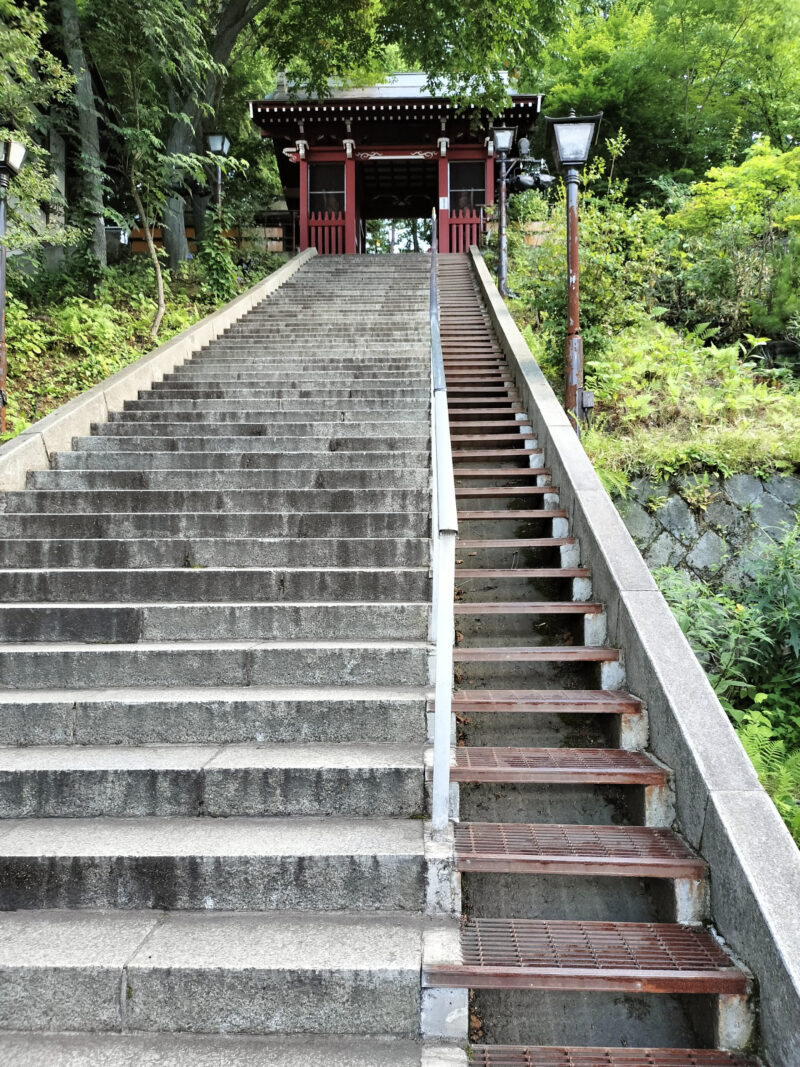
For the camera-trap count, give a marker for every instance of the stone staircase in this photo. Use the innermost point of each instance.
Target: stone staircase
(213, 678)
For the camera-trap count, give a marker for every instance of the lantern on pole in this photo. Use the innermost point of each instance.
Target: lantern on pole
(12, 157)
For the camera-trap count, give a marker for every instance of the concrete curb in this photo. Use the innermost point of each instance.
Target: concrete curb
(721, 808)
(31, 450)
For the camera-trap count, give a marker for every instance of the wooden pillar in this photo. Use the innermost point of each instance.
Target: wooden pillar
(303, 204)
(444, 205)
(489, 179)
(350, 207)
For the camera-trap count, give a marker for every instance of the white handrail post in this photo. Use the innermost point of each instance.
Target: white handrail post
(445, 532)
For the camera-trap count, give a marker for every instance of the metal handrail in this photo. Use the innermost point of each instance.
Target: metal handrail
(445, 532)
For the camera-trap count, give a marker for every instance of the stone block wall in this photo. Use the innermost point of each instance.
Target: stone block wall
(713, 528)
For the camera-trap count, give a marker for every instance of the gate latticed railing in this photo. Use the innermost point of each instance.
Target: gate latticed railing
(466, 228)
(326, 232)
(445, 532)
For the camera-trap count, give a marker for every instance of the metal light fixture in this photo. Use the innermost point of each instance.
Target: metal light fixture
(12, 157)
(218, 143)
(503, 137)
(572, 138)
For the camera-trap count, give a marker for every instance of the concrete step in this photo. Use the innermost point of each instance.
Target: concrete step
(232, 501)
(346, 439)
(410, 461)
(212, 1050)
(240, 391)
(278, 972)
(173, 664)
(90, 781)
(273, 408)
(231, 864)
(218, 584)
(337, 414)
(206, 480)
(212, 715)
(314, 524)
(152, 552)
(215, 429)
(189, 377)
(127, 623)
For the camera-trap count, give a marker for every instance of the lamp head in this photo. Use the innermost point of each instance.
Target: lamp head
(12, 156)
(504, 138)
(572, 137)
(524, 147)
(218, 143)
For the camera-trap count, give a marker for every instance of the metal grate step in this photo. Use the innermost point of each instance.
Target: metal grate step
(539, 1056)
(550, 848)
(600, 956)
(538, 654)
(589, 766)
(547, 701)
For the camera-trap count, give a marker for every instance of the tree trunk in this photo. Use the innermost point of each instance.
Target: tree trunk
(151, 248)
(91, 164)
(234, 15)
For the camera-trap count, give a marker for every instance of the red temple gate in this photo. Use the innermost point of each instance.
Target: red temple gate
(386, 152)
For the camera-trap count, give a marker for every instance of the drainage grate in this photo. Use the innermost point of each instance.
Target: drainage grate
(520, 1056)
(607, 956)
(550, 848)
(553, 765)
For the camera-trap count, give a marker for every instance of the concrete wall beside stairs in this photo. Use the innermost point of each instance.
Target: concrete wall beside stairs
(721, 807)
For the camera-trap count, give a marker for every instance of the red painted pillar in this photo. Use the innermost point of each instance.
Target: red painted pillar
(303, 204)
(350, 212)
(444, 205)
(489, 179)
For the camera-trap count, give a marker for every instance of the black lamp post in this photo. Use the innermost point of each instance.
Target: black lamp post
(573, 137)
(218, 145)
(503, 140)
(12, 156)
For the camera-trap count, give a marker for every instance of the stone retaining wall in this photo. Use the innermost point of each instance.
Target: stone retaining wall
(710, 527)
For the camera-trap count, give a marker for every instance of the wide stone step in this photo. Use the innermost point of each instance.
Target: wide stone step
(217, 429)
(212, 715)
(410, 461)
(178, 663)
(206, 972)
(198, 584)
(154, 552)
(274, 408)
(229, 864)
(231, 501)
(201, 393)
(90, 781)
(263, 478)
(349, 411)
(189, 377)
(108, 623)
(232, 1050)
(342, 441)
(314, 524)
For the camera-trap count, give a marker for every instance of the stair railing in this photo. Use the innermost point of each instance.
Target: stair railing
(445, 532)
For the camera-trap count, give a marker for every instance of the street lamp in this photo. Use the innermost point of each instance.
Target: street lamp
(573, 137)
(218, 145)
(503, 140)
(12, 156)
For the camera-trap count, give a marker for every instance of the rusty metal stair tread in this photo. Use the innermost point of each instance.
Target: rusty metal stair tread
(503, 472)
(526, 431)
(499, 514)
(594, 766)
(523, 572)
(537, 654)
(507, 490)
(534, 607)
(566, 1056)
(552, 848)
(603, 956)
(516, 542)
(547, 701)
